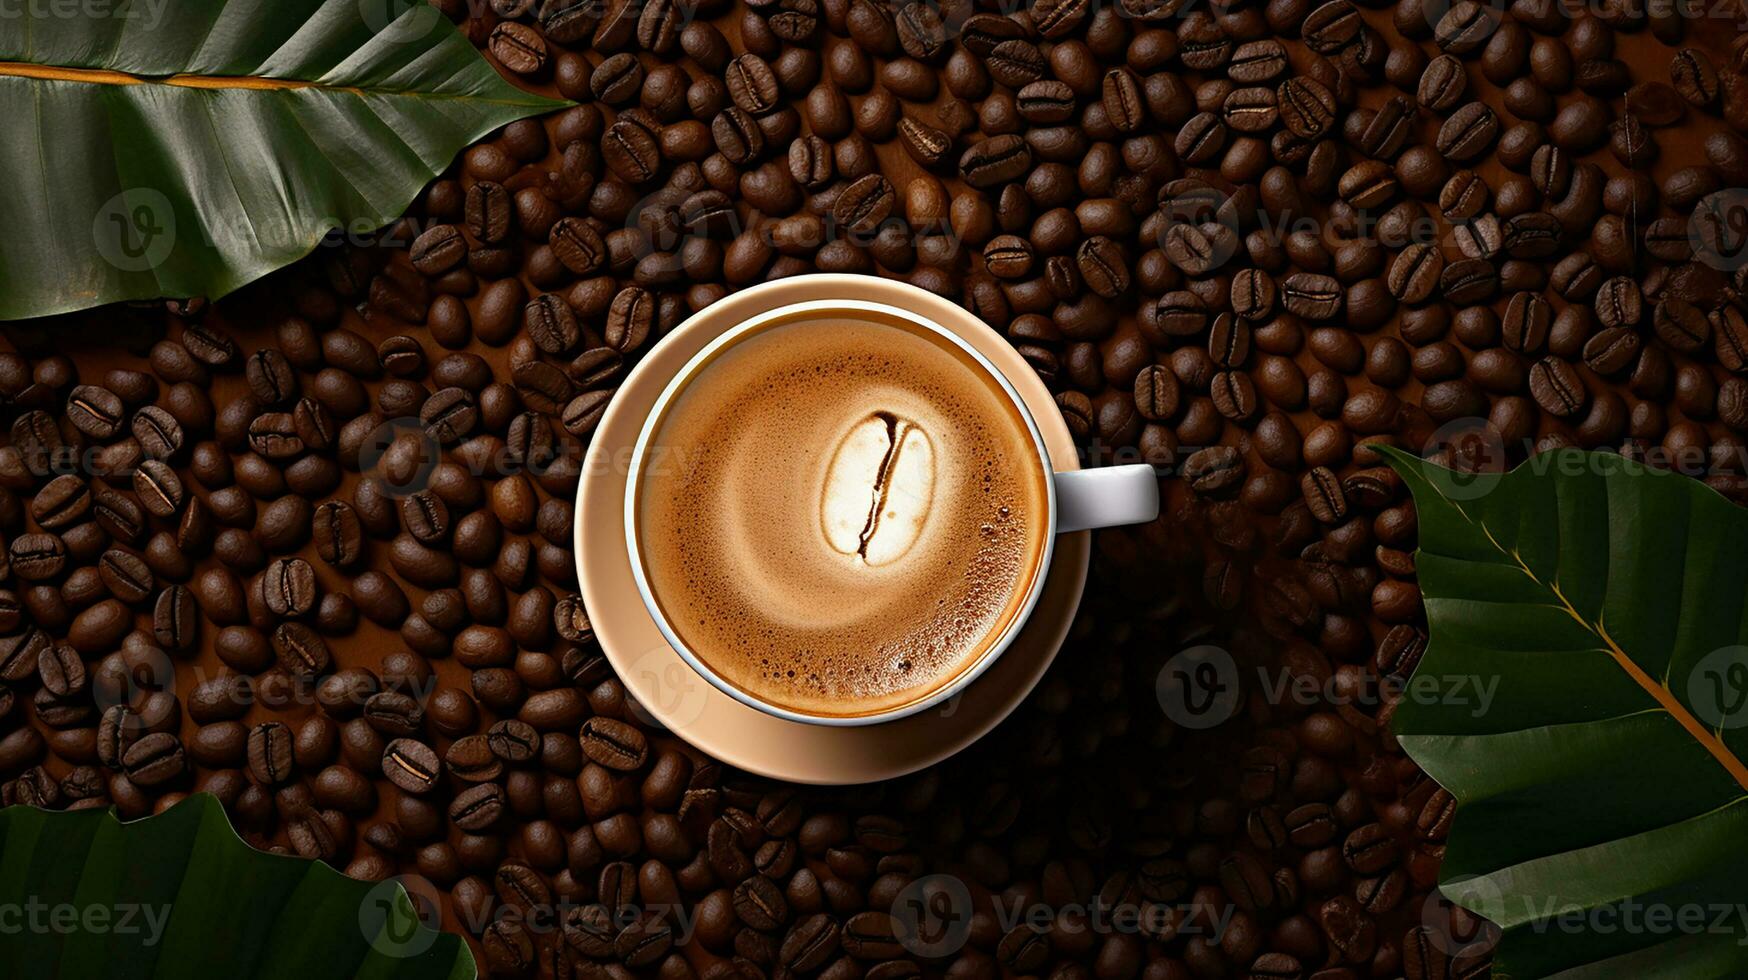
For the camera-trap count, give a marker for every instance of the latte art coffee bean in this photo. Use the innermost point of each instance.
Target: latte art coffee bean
(840, 516)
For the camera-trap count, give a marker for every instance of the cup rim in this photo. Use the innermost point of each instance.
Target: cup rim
(684, 376)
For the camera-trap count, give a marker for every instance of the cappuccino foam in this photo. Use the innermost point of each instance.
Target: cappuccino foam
(840, 515)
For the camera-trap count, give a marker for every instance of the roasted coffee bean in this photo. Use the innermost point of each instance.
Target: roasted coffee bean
(551, 324)
(65, 500)
(1103, 267)
(865, 204)
(1695, 77)
(471, 758)
(1199, 249)
(478, 807)
(632, 151)
(1234, 396)
(813, 940)
(1680, 324)
(1619, 303)
(752, 84)
(872, 935)
(175, 618)
(584, 411)
(1312, 296)
(125, 575)
(1442, 84)
(1016, 63)
(1156, 392)
(209, 344)
(270, 753)
(289, 587)
(411, 765)
(61, 671)
(338, 533)
(1370, 849)
(1229, 341)
(995, 161)
(519, 48)
(438, 249)
(1331, 27)
(1124, 103)
(158, 432)
(759, 903)
(1526, 323)
(1468, 132)
(580, 248)
(1214, 470)
(1250, 110)
(37, 557)
(95, 411)
(1612, 351)
(1045, 103)
(488, 212)
(300, 650)
(158, 488)
(153, 759)
(630, 319)
(614, 744)
(658, 26)
(1729, 344)
(273, 435)
(925, 144)
(449, 415)
(393, 713)
(1469, 281)
(513, 741)
(810, 163)
(1557, 387)
(1324, 495)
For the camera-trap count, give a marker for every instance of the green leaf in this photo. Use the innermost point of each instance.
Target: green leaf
(1603, 798)
(84, 895)
(175, 148)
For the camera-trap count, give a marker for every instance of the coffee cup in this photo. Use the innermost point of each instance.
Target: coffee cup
(840, 513)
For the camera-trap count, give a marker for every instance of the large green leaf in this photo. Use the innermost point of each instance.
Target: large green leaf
(1603, 800)
(179, 895)
(185, 147)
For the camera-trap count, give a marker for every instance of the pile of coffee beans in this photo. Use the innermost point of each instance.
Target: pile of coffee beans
(308, 548)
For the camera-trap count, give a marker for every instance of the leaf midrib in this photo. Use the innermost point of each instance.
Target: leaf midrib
(257, 83)
(1664, 698)
(106, 76)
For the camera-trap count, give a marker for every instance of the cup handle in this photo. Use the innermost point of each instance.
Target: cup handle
(1106, 496)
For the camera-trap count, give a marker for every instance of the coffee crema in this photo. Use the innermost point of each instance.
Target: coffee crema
(839, 515)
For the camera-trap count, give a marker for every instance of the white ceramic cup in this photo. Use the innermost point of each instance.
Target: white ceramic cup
(1076, 500)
